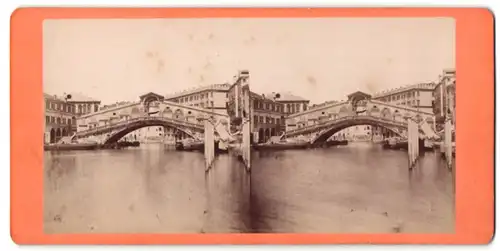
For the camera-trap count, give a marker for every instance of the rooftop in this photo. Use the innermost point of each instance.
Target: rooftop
(53, 97)
(78, 97)
(223, 87)
(325, 103)
(117, 104)
(426, 86)
(285, 96)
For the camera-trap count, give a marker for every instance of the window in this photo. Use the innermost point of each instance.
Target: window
(96, 108)
(256, 119)
(47, 104)
(47, 119)
(211, 94)
(58, 120)
(277, 121)
(304, 107)
(297, 107)
(52, 119)
(261, 119)
(212, 103)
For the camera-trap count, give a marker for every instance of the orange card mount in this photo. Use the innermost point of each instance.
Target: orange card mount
(474, 164)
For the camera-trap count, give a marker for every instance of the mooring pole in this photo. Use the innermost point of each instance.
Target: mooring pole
(209, 144)
(413, 143)
(448, 147)
(246, 144)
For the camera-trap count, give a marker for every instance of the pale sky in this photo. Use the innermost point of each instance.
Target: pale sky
(318, 58)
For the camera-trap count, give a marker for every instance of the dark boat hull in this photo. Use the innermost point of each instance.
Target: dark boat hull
(70, 147)
(198, 146)
(293, 146)
(129, 144)
(403, 145)
(337, 143)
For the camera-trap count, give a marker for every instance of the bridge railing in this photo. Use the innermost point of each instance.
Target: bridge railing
(324, 123)
(142, 118)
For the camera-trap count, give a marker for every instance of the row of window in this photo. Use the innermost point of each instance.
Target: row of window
(70, 108)
(204, 104)
(277, 107)
(59, 120)
(401, 96)
(410, 103)
(267, 120)
(195, 97)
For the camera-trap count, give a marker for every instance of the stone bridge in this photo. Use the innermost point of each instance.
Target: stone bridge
(321, 122)
(111, 124)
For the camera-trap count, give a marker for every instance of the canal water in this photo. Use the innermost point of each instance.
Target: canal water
(359, 188)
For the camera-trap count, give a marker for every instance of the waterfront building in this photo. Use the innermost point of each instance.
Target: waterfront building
(356, 133)
(213, 97)
(61, 113)
(268, 117)
(419, 96)
(291, 103)
(82, 104)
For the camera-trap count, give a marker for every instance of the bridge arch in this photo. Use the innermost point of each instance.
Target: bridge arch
(397, 116)
(52, 135)
(375, 111)
(113, 138)
(386, 113)
(167, 112)
(178, 114)
(343, 111)
(135, 112)
(325, 134)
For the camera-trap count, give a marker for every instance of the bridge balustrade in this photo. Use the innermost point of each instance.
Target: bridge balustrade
(137, 119)
(322, 124)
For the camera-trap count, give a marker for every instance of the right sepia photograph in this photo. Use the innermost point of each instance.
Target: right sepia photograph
(250, 125)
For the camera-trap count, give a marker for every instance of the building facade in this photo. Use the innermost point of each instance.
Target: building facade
(444, 98)
(291, 103)
(357, 133)
(61, 113)
(268, 117)
(213, 97)
(419, 96)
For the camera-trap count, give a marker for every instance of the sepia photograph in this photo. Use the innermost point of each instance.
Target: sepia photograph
(249, 125)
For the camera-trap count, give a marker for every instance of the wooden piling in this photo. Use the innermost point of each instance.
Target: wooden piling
(209, 144)
(413, 143)
(448, 146)
(246, 144)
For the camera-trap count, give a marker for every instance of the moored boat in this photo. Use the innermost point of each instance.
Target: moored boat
(71, 147)
(283, 144)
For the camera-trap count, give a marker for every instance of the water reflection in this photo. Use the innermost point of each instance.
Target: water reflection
(358, 188)
(228, 197)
